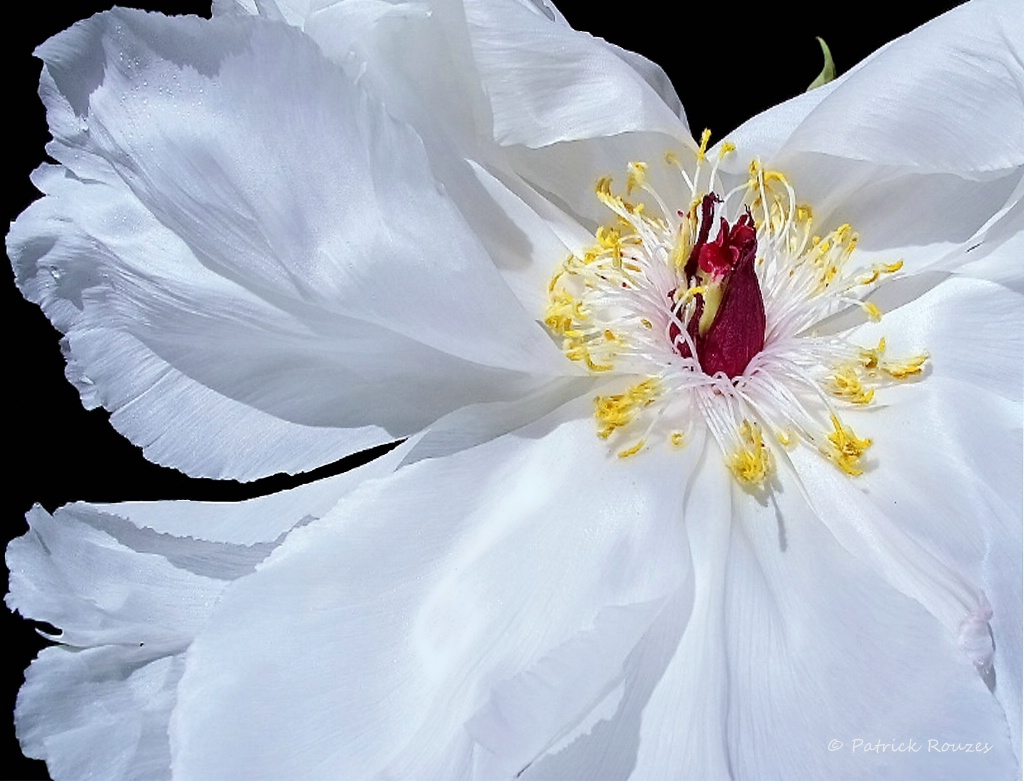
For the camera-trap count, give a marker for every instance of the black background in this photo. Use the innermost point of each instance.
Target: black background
(726, 65)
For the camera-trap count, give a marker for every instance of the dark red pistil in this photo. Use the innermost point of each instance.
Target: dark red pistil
(736, 332)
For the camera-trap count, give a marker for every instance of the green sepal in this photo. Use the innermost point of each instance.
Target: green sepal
(828, 72)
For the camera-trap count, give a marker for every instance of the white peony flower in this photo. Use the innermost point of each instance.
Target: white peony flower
(714, 452)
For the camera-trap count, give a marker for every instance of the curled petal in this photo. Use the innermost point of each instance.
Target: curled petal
(219, 254)
(129, 586)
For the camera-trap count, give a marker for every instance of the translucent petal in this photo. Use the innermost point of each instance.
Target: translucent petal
(429, 602)
(219, 254)
(805, 645)
(947, 98)
(128, 586)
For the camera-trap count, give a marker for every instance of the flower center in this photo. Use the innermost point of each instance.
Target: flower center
(727, 324)
(708, 314)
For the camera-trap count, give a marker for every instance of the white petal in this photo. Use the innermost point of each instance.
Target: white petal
(946, 468)
(71, 571)
(527, 236)
(233, 7)
(973, 330)
(478, 423)
(432, 600)
(921, 219)
(129, 586)
(918, 147)
(219, 252)
(786, 643)
(566, 173)
(948, 97)
(547, 82)
(964, 509)
(431, 58)
(292, 12)
(420, 60)
(265, 519)
(683, 724)
(416, 57)
(764, 134)
(99, 712)
(521, 63)
(807, 645)
(991, 254)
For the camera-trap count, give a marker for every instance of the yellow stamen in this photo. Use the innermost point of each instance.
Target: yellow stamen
(872, 311)
(632, 451)
(704, 138)
(873, 361)
(637, 176)
(599, 304)
(900, 370)
(848, 448)
(751, 462)
(879, 269)
(619, 410)
(847, 385)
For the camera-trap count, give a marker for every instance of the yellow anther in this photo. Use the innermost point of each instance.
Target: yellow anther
(900, 370)
(608, 238)
(562, 313)
(598, 303)
(556, 277)
(683, 243)
(879, 269)
(637, 176)
(872, 358)
(828, 275)
(632, 451)
(872, 311)
(603, 190)
(871, 278)
(704, 138)
(751, 462)
(847, 448)
(594, 367)
(619, 410)
(847, 385)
